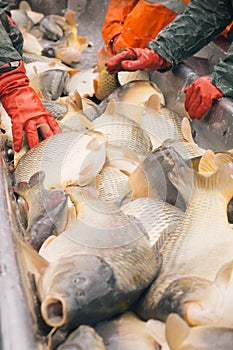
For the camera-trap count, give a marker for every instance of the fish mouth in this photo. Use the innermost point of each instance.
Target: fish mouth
(53, 310)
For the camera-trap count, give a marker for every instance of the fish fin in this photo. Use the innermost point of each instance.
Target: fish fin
(156, 329)
(37, 178)
(95, 85)
(186, 130)
(78, 100)
(139, 183)
(224, 275)
(70, 18)
(111, 107)
(72, 72)
(82, 41)
(24, 5)
(28, 26)
(35, 262)
(223, 158)
(122, 158)
(153, 102)
(85, 122)
(177, 331)
(207, 165)
(187, 180)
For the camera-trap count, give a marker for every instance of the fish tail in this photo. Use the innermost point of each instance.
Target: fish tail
(187, 181)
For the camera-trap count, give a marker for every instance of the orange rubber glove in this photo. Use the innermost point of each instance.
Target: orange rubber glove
(200, 96)
(133, 59)
(24, 107)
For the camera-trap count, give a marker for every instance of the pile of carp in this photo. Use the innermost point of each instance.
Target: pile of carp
(125, 219)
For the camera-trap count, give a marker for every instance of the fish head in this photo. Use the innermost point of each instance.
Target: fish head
(73, 291)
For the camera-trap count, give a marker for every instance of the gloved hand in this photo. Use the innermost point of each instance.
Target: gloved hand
(200, 96)
(133, 59)
(24, 108)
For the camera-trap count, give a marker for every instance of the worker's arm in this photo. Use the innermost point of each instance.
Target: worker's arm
(115, 16)
(196, 27)
(19, 100)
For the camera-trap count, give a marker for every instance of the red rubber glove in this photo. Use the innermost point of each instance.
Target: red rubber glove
(200, 96)
(133, 59)
(24, 107)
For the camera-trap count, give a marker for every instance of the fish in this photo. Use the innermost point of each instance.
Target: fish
(32, 57)
(200, 245)
(40, 66)
(157, 217)
(31, 44)
(94, 270)
(64, 107)
(122, 131)
(161, 124)
(75, 118)
(105, 83)
(47, 210)
(82, 81)
(58, 109)
(150, 178)
(132, 98)
(51, 84)
(50, 27)
(69, 48)
(83, 338)
(111, 184)
(126, 332)
(122, 158)
(136, 92)
(67, 158)
(180, 336)
(25, 17)
(125, 77)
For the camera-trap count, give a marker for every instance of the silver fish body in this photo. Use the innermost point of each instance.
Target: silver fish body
(192, 255)
(109, 257)
(66, 158)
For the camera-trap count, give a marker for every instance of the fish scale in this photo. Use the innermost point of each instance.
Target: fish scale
(157, 217)
(202, 242)
(65, 158)
(124, 132)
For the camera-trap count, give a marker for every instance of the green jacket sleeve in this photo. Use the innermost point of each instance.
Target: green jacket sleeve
(222, 76)
(196, 27)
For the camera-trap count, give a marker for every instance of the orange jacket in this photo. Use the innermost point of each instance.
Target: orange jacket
(135, 22)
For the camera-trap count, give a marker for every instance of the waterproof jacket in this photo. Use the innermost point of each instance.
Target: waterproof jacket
(11, 42)
(136, 22)
(201, 22)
